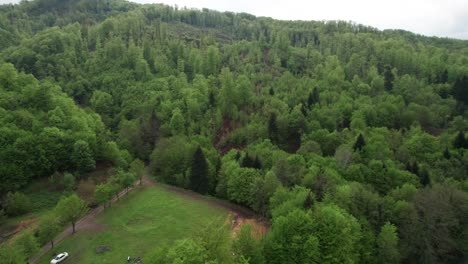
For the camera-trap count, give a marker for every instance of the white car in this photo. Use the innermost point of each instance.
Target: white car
(59, 258)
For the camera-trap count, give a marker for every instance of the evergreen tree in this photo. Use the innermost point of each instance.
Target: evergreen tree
(247, 162)
(308, 202)
(444, 76)
(257, 164)
(148, 133)
(408, 166)
(271, 91)
(388, 78)
(199, 172)
(151, 128)
(460, 141)
(212, 61)
(303, 110)
(228, 93)
(211, 99)
(314, 97)
(424, 177)
(460, 89)
(310, 100)
(360, 143)
(273, 128)
(415, 168)
(447, 153)
(238, 156)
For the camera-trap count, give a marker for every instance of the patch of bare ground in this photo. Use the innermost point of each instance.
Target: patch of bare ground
(259, 226)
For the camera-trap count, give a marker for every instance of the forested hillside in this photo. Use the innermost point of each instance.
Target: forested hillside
(350, 139)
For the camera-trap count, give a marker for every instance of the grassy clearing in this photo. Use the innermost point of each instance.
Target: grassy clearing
(138, 223)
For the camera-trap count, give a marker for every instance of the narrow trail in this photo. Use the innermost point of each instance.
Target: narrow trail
(239, 214)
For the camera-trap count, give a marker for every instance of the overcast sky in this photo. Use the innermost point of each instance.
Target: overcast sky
(444, 18)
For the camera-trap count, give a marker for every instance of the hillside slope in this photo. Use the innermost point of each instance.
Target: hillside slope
(308, 123)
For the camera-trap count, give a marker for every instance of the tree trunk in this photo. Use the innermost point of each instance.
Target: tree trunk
(52, 243)
(73, 225)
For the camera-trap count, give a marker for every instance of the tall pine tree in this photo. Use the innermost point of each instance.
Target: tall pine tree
(308, 202)
(388, 78)
(447, 153)
(460, 89)
(199, 172)
(460, 141)
(272, 92)
(149, 132)
(314, 97)
(273, 128)
(360, 143)
(424, 177)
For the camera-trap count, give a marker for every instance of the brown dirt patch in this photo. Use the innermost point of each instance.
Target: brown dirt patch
(20, 227)
(224, 131)
(259, 226)
(86, 186)
(25, 223)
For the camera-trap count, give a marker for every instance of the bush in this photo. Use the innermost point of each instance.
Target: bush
(55, 178)
(17, 204)
(68, 181)
(65, 181)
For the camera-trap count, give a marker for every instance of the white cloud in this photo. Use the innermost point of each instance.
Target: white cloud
(444, 18)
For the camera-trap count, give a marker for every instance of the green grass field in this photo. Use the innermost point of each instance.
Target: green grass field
(138, 223)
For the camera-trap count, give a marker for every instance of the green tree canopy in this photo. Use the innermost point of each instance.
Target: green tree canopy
(70, 209)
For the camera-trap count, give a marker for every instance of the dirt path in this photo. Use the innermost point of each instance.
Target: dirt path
(238, 215)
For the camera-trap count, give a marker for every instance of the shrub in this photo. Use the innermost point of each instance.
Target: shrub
(17, 204)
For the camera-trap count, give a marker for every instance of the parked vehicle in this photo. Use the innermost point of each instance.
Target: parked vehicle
(59, 258)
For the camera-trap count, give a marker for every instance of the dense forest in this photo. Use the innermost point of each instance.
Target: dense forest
(351, 140)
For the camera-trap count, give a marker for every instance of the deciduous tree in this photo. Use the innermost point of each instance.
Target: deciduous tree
(70, 209)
